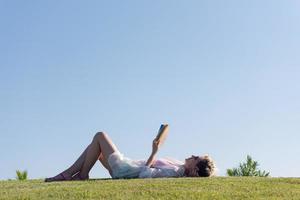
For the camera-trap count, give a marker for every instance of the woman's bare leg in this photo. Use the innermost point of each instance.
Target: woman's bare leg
(102, 147)
(105, 163)
(101, 142)
(71, 171)
(75, 168)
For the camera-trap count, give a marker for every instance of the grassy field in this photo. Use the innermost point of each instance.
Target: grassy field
(168, 188)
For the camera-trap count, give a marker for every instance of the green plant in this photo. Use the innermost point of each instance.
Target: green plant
(21, 176)
(248, 168)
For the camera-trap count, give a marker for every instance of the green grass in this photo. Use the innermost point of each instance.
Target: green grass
(168, 188)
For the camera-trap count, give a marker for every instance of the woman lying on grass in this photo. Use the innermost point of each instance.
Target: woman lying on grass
(104, 150)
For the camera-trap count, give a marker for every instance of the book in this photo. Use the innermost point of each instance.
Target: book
(162, 133)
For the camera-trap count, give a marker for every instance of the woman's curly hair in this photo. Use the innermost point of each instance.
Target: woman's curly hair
(206, 166)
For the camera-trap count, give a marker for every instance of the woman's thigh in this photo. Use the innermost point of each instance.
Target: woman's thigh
(107, 147)
(105, 164)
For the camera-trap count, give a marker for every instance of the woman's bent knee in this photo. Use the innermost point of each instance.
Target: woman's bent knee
(106, 144)
(99, 135)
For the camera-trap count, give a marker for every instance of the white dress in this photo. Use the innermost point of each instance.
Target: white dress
(123, 167)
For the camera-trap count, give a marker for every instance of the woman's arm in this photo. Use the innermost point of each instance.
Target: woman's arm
(154, 151)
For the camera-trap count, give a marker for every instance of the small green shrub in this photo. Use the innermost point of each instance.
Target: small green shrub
(248, 168)
(21, 176)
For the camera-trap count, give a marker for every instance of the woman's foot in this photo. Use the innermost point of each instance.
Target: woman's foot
(59, 177)
(77, 177)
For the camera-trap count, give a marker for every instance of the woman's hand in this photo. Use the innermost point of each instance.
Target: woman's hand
(155, 146)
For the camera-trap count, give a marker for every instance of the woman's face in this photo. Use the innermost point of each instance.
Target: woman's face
(190, 166)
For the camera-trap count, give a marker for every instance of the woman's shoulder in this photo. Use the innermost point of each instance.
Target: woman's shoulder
(172, 161)
(166, 163)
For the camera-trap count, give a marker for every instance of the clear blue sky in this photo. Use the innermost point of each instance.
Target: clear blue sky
(223, 74)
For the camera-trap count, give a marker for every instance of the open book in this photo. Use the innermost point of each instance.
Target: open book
(162, 133)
